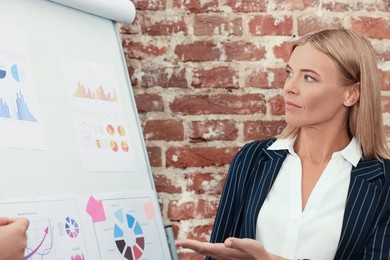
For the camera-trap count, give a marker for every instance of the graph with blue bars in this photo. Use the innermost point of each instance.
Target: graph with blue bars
(4, 109)
(22, 111)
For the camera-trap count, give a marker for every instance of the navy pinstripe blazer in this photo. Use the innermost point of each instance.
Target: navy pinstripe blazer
(365, 231)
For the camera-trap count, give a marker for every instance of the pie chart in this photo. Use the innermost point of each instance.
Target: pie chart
(71, 227)
(128, 235)
(114, 146)
(110, 129)
(121, 130)
(124, 146)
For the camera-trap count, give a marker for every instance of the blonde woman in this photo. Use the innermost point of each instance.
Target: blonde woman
(320, 190)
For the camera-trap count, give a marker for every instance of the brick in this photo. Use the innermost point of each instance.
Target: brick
(260, 25)
(277, 105)
(219, 104)
(282, 51)
(243, 51)
(215, 24)
(311, 24)
(153, 24)
(167, 77)
(385, 79)
(198, 51)
(372, 27)
(351, 6)
(271, 78)
(386, 104)
(154, 155)
(247, 6)
(178, 210)
(206, 183)
(164, 184)
(294, 5)
(277, 76)
(181, 210)
(183, 157)
(197, 6)
(133, 78)
(167, 130)
(383, 54)
(257, 79)
(211, 130)
(190, 256)
(259, 130)
(218, 77)
(387, 132)
(201, 233)
(149, 103)
(150, 5)
(129, 29)
(175, 229)
(142, 51)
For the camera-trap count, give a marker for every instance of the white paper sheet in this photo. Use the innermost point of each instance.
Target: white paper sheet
(112, 226)
(117, 10)
(104, 135)
(20, 117)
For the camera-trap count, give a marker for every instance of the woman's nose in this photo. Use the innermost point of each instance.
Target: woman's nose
(290, 86)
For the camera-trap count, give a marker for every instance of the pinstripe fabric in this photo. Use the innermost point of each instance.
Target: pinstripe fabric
(365, 232)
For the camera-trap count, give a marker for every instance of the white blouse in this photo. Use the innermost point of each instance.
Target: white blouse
(284, 229)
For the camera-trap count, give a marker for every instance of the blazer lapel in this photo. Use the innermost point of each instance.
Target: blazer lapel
(259, 185)
(361, 207)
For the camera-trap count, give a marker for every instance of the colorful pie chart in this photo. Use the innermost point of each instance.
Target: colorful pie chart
(128, 235)
(110, 129)
(124, 146)
(71, 227)
(121, 130)
(114, 146)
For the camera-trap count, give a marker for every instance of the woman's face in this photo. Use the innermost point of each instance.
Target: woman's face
(313, 94)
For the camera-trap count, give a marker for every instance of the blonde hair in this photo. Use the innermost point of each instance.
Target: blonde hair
(355, 58)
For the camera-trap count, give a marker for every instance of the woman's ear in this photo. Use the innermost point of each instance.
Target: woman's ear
(352, 94)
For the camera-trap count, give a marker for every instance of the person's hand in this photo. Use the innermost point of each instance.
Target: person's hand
(231, 249)
(4, 221)
(13, 238)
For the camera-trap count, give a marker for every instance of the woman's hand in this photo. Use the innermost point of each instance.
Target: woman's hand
(232, 249)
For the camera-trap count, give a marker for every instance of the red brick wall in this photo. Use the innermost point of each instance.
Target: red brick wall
(208, 76)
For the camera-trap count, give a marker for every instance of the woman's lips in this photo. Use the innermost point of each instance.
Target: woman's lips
(290, 105)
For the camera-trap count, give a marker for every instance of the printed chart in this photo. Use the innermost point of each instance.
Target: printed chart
(54, 231)
(126, 227)
(104, 134)
(20, 120)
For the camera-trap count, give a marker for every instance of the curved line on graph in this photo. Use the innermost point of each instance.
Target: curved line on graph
(40, 244)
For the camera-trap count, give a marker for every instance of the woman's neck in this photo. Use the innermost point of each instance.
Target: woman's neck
(317, 145)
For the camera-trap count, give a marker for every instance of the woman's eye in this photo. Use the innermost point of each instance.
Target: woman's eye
(309, 78)
(289, 73)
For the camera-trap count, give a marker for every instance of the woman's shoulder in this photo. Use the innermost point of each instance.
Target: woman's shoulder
(259, 144)
(386, 163)
(256, 147)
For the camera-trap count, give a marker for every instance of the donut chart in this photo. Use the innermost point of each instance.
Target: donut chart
(71, 227)
(128, 235)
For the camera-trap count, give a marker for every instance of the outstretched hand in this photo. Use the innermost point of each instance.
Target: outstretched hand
(13, 238)
(231, 249)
